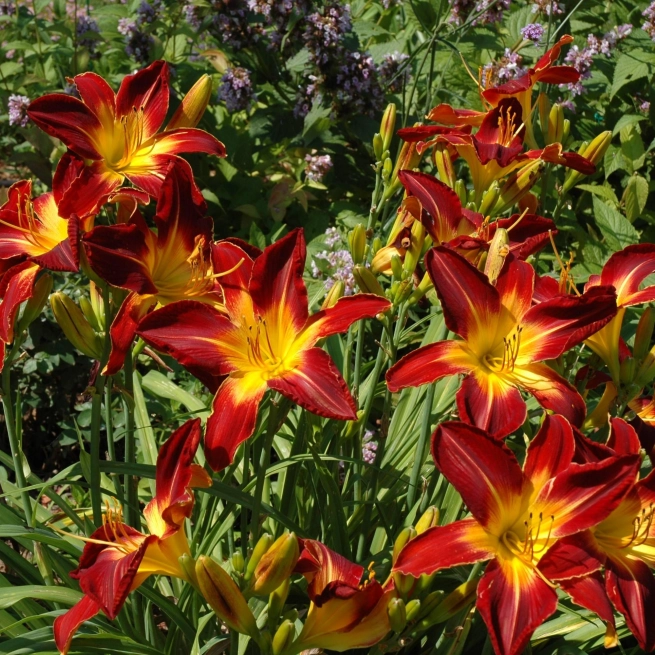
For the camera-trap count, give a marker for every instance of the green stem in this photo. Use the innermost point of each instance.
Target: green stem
(130, 483)
(14, 437)
(96, 416)
(419, 456)
(111, 444)
(291, 474)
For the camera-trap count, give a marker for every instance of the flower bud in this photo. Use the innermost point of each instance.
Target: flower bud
(444, 164)
(224, 597)
(413, 253)
(276, 565)
(594, 152)
(555, 130)
(378, 146)
(498, 251)
(238, 561)
(334, 294)
(284, 637)
(528, 203)
(490, 198)
(405, 536)
(430, 602)
(404, 584)
(429, 519)
(460, 190)
(424, 286)
(397, 614)
(36, 302)
(357, 243)
(193, 105)
(566, 130)
(453, 603)
(188, 566)
(388, 125)
(258, 551)
(408, 159)
(627, 370)
(644, 334)
(518, 184)
(276, 601)
(387, 169)
(412, 609)
(98, 304)
(89, 314)
(396, 267)
(367, 282)
(75, 326)
(544, 107)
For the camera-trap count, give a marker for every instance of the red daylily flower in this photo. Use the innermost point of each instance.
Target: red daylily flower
(505, 342)
(267, 340)
(117, 558)
(157, 268)
(623, 543)
(118, 134)
(517, 516)
(345, 612)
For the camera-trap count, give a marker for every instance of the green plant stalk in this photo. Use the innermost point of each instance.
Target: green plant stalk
(419, 456)
(291, 474)
(96, 419)
(13, 436)
(244, 515)
(130, 483)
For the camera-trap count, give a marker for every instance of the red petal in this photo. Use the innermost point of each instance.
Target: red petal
(66, 625)
(89, 191)
(175, 473)
(587, 451)
(573, 556)
(123, 329)
(424, 132)
(429, 363)
(552, 55)
(70, 166)
(559, 75)
(585, 494)
(448, 115)
(316, 384)
(119, 255)
(277, 288)
(514, 87)
(65, 256)
(344, 313)
(16, 286)
(482, 469)
(623, 439)
(631, 587)
(626, 270)
(225, 256)
(490, 403)
(589, 591)
(98, 96)
(554, 154)
(513, 601)
(438, 200)
(68, 119)
(515, 285)
(232, 421)
(188, 139)
(455, 544)
(470, 303)
(527, 236)
(146, 89)
(550, 452)
(149, 174)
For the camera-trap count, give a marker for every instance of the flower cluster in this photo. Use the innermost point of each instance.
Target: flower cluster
(334, 265)
(508, 67)
(17, 106)
(317, 166)
(485, 11)
(236, 89)
(533, 32)
(649, 24)
(86, 29)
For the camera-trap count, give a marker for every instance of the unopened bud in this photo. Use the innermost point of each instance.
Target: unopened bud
(644, 334)
(430, 602)
(276, 565)
(528, 203)
(412, 609)
(444, 164)
(397, 614)
(544, 106)
(413, 253)
(276, 601)
(193, 105)
(460, 190)
(377, 244)
(490, 198)
(357, 243)
(75, 326)
(594, 152)
(404, 584)
(566, 130)
(519, 184)
(627, 370)
(378, 146)
(35, 304)
(388, 125)
(224, 597)
(429, 519)
(387, 169)
(424, 286)
(405, 536)
(453, 603)
(238, 561)
(188, 566)
(555, 130)
(498, 251)
(258, 551)
(367, 282)
(334, 294)
(397, 267)
(98, 304)
(284, 637)
(408, 159)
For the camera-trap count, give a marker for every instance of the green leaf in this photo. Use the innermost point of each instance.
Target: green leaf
(11, 595)
(635, 197)
(632, 147)
(628, 69)
(625, 121)
(614, 161)
(159, 385)
(602, 191)
(615, 227)
(144, 431)
(317, 121)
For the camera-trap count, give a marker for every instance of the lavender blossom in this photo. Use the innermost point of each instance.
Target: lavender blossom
(508, 67)
(137, 43)
(358, 88)
(369, 447)
(148, 12)
(17, 106)
(332, 237)
(231, 25)
(317, 166)
(649, 24)
(338, 266)
(236, 89)
(488, 10)
(85, 28)
(324, 32)
(7, 8)
(192, 16)
(389, 70)
(545, 7)
(533, 32)
(644, 107)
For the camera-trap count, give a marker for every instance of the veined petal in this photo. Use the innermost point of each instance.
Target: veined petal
(483, 470)
(572, 557)
(491, 403)
(89, 191)
(515, 285)
(441, 547)
(176, 475)
(429, 363)
(551, 391)
(551, 56)
(16, 286)
(148, 172)
(513, 601)
(556, 325)
(585, 494)
(99, 97)
(68, 119)
(527, 235)
(123, 328)
(623, 439)
(343, 314)
(226, 256)
(626, 270)
(559, 75)
(68, 169)
(550, 452)
(146, 91)
(631, 587)
(233, 418)
(66, 625)
(448, 115)
(187, 139)
(316, 384)
(471, 305)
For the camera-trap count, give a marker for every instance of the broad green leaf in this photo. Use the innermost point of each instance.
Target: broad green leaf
(159, 385)
(625, 120)
(632, 147)
(615, 227)
(635, 197)
(628, 69)
(603, 191)
(144, 431)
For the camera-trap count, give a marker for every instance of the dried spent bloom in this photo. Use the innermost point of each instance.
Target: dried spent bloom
(317, 166)
(17, 106)
(236, 89)
(533, 32)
